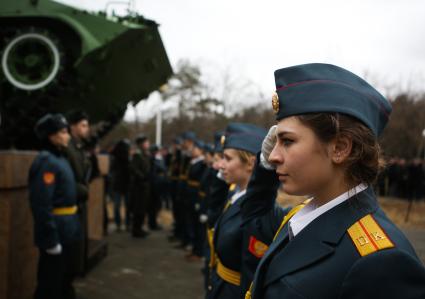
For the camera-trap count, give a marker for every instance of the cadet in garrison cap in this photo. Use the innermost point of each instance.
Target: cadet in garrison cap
(240, 143)
(53, 198)
(341, 244)
(184, 231)
(194, 228)
(218, 191)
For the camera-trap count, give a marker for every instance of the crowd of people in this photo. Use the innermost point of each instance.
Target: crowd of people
(137, 181)
(403, 179)
(338, 243)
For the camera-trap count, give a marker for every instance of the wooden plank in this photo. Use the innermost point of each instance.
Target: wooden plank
(95, 209)
(14, 168)
(23, 256)
(4, 244)
(104, 163)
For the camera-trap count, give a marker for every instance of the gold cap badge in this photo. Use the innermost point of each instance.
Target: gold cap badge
(223, 140)
(275, 102)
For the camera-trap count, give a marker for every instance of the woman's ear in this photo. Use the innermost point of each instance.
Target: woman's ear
(251, 163)
(341, 149)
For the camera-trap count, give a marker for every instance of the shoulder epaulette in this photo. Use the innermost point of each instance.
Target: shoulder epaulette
(368, 236)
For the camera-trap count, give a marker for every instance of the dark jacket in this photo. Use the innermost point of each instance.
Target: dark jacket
(80, 165)
(323, 261)
(239, 246)
(52, 185)
(140, 186)
(195, 172)
(120, 175)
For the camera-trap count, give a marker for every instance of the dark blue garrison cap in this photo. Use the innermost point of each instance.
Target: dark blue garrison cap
(189, 135)
(318, 87)
(218, 148)
(243, 136)
(199, 144)
(209, 148)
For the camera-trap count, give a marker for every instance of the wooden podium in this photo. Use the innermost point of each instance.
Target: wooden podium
(18, 255)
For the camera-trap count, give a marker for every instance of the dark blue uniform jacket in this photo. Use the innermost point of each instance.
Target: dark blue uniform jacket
(52, 185)
(237, 246)
(216, 191)
(322, 261)
(194, 176)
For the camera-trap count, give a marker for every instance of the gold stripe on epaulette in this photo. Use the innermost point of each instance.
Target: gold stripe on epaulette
(368, 236)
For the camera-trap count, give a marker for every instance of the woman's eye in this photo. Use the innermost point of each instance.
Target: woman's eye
(287, 141)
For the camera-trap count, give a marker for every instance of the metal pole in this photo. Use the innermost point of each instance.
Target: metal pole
(159, 127)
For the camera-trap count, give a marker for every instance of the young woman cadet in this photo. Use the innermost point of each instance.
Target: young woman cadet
(241, 142)
(341, 244)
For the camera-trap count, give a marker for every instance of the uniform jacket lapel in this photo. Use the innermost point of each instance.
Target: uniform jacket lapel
(318, 240)
(232, 210)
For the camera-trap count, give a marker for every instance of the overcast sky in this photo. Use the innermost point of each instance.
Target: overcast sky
(385, 38)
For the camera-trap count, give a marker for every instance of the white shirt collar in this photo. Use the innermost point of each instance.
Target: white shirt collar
(310, 212)
(196, 160)
(236, 196)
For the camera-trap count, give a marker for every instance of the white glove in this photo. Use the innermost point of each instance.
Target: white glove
(55, 250)
(268, 144)
(203, 218)
(220, 175)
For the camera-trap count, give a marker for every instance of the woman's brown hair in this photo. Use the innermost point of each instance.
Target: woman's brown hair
(364, 162)
(244, 156)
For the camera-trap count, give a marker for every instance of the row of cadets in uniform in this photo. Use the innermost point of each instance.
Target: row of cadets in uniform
(194, 228)
(340, 244)
(235, 253)
(182, 233)
(190, 162)
(215, 192)
(173, 175)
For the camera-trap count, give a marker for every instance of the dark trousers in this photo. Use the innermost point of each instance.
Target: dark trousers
(138, 221)
(140, 200)
(199, 235)
(154, 207)
(188, 223)
(174, 205)
(56, 273)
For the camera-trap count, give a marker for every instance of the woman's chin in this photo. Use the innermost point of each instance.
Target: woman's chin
(292, 190)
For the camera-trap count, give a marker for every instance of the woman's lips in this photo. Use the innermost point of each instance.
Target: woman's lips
(282, 176)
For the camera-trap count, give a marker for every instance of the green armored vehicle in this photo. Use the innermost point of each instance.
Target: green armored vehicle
(55, 58)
